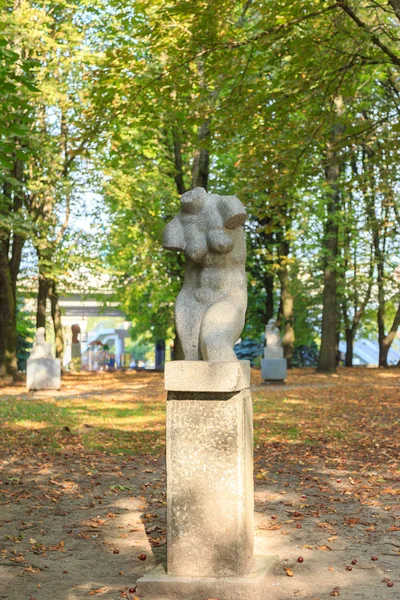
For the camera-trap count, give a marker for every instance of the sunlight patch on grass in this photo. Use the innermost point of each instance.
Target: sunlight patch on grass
(25, 424)
(296, 401)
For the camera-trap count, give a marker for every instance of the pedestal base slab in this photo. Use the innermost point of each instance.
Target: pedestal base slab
(254, 585)
(273, 369)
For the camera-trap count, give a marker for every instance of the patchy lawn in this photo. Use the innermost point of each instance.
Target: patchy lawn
(82, 485)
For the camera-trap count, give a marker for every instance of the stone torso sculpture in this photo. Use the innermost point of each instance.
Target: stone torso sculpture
(211, 306)
(272, 335)
(41, 348)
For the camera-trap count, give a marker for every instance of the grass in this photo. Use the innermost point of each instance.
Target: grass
(125, 413)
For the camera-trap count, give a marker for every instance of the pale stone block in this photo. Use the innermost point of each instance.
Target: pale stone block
(256, 584)
(273, 352)
(43, 374)
(209, 483)
(273, 369)
(202, 376)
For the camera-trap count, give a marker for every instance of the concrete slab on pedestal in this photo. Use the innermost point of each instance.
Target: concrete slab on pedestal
(273, 369)
(256, 584)
(207, 376)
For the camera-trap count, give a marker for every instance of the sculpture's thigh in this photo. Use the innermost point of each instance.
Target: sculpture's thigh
(188, 316)
(221, 326)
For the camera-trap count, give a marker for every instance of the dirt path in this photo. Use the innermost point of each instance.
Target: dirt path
(76, 521)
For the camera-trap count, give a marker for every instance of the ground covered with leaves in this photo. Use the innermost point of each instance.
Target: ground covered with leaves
(82, 485)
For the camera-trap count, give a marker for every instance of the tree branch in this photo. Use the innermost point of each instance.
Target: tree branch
(396, 7)
(344, 6)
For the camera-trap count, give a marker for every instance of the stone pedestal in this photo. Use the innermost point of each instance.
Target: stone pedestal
(273, 352)
(273, 369)
(43, 374)
(210, 496)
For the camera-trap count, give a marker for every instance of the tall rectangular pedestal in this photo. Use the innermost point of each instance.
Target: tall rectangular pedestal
(209, 483)
(210, 496)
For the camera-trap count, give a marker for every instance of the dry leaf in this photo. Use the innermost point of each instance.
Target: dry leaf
(98, 591)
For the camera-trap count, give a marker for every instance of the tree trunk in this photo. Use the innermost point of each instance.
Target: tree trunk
(328, 351)
(349, 347)
(201, 160)
(384, 347)
(6, 309)
(43, 292)
(287, 304)
(266, 240)
(381, 307)
(178, 174)
(56, 317)
(10, 259)
(269, 303)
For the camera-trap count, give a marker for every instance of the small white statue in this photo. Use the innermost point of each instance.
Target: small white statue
(272, 335)
(41, 348)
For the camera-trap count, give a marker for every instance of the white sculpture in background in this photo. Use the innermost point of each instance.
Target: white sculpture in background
(273, 365)
(272, 335)
(43, 372)
(41, 348)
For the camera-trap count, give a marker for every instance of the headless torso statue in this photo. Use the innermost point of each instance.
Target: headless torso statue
(210, 309)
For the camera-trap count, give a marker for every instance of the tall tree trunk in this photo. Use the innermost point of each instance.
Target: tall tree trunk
(201, 159)
(269, 302)
(266, 240)
(286, 303)
(349, 347)
(56, 317)
(6, 308)
(381, 306)
(42, 296)
(178, 174)
(328, 351)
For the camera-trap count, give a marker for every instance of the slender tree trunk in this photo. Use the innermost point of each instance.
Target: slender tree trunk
(267, 240)
(349, 347)
(56, 317)
(201, 160)
(328, 351)
(287, 303)
(6, 309)
(381, 307)
(42, 296)
(269, 302)
(178, 174)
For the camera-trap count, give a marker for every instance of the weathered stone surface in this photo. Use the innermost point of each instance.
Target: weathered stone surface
(272, 335)
(43, 374)
(274, 352)
(202, 376)
(256, 584)
(273, 369)
(41, 348)
(210, 485)
(210, 308)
